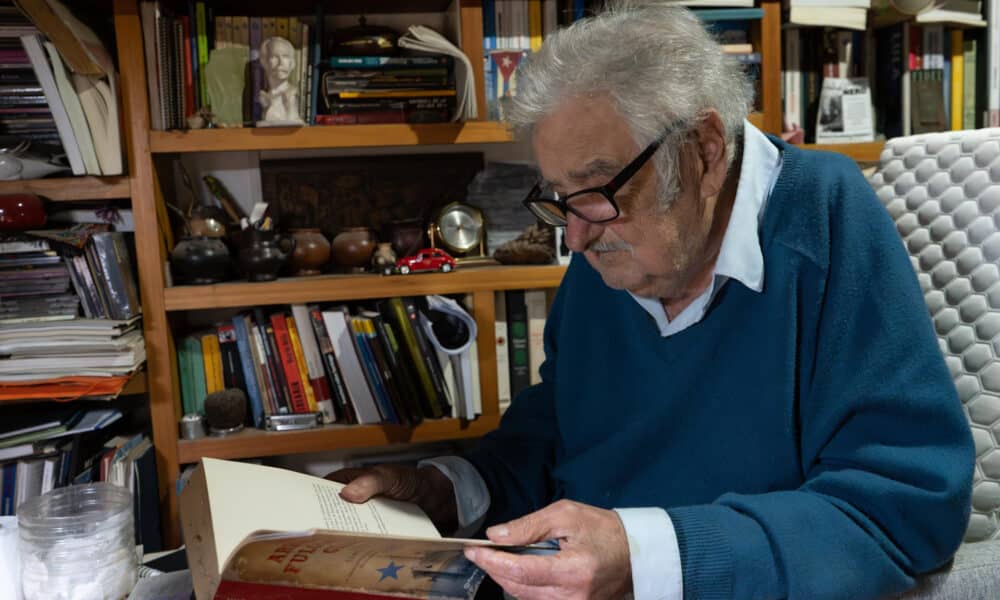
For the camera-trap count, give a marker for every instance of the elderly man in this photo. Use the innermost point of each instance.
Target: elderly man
(742, 395)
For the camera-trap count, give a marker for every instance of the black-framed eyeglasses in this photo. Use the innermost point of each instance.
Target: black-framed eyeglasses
(593, 205)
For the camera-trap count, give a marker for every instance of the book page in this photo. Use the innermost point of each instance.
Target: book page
(245, 497)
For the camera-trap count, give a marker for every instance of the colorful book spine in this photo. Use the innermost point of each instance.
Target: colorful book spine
(372, 371)
(314, 362)
(202, 39)
(300, 360)
(286, 354)
(249, 372)
(212, 359)
(330, 367)
(232, 371)
(270, 347)
(395, 311)
(517, 342)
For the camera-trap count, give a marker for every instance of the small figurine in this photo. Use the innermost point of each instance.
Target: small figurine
(281, 99)
(428, 259)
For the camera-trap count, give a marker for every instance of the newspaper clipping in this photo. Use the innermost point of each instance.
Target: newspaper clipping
(845, 111)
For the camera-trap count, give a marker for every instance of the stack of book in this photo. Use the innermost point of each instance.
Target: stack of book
(24, 111)
(383, 89)
(34, 283)
(47, 447)
(75, 348)
(359, 367)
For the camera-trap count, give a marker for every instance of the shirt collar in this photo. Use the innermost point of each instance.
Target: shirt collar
(740, 255)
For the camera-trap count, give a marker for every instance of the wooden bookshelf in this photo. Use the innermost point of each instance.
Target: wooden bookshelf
(251, 443)
(332, 136)
(865, 152)
(64, 189)
(337, 288)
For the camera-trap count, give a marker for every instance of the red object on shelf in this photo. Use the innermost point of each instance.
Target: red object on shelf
(21, 211)
(428, 259)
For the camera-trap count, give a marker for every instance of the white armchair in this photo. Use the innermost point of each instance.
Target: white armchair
(943, 191)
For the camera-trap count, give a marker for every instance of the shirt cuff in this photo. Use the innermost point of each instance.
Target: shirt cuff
(471, 494)
(653, 554)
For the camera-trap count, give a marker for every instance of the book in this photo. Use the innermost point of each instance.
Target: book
(314, 362)
(36, 53)
(344, 348)
(74, 111)
(239, 546)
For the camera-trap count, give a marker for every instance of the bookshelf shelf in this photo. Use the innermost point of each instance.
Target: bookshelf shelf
(64, 189)
(251, 443)
(861, 152)
(333, 136)
(335, 288)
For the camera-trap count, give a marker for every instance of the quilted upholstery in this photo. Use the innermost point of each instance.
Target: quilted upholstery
(943, 191)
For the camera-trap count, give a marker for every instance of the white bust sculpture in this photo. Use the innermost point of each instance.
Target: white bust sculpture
(281, 98)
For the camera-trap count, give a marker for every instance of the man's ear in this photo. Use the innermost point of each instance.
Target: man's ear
(710, 135)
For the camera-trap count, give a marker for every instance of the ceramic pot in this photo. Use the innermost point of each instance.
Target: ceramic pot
(407, 236)
(21, 211)
(200, 260)
(263, 254)
(311, 253)
(384, 259)
(353, 247)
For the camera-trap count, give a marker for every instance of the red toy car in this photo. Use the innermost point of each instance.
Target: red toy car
(428, 259)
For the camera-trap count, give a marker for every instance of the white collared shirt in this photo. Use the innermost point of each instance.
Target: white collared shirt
(653, 551)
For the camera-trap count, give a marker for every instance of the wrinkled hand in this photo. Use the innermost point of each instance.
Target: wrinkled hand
(592, 562)
(426, 487)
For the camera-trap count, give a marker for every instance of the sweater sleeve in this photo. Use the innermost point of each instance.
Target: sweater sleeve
(886, 452)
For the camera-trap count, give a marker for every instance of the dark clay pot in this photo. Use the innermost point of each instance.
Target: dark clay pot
(353, 247)
(312, 252)
(263, 253)
(407, 236)
(21, 211)
(200, 260)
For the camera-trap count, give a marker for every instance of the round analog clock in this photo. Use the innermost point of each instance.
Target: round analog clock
(460, 227)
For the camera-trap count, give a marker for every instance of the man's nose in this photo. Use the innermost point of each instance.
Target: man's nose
(579, 233)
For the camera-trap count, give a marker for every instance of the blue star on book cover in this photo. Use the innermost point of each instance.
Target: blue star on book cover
(390, 570)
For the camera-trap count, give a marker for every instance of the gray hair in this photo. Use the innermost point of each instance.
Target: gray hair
(657, 63)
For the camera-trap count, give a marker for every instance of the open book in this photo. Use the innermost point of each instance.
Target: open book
(261, 532)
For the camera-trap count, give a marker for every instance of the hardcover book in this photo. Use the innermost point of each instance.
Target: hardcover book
(317, 544)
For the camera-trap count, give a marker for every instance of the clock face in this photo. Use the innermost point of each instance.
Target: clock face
(460, 227)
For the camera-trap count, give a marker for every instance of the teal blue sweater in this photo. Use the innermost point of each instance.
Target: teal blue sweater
(806, 441)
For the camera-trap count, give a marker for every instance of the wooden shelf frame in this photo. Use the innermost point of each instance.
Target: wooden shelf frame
(327, 136)
(336, 288)
(69, 189)
(251, 443)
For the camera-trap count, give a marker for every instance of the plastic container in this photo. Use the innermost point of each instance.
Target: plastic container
(78, 543)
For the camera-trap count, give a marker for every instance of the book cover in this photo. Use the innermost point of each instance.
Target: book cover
(280, 387)
(212, 359)
(240, 547)
(232, 369)
(74, 111)
(250, 373)
(342, 340)
(535, 303)
(442, 398)
(330, 367)
(372, 372)
(517, 342)
(36, 54)
(300, 360)
(314, 362)
(290, 368)
(502, 352)
(405, 381)
(395, 313)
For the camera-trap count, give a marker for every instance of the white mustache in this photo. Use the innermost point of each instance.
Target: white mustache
(600, 246)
